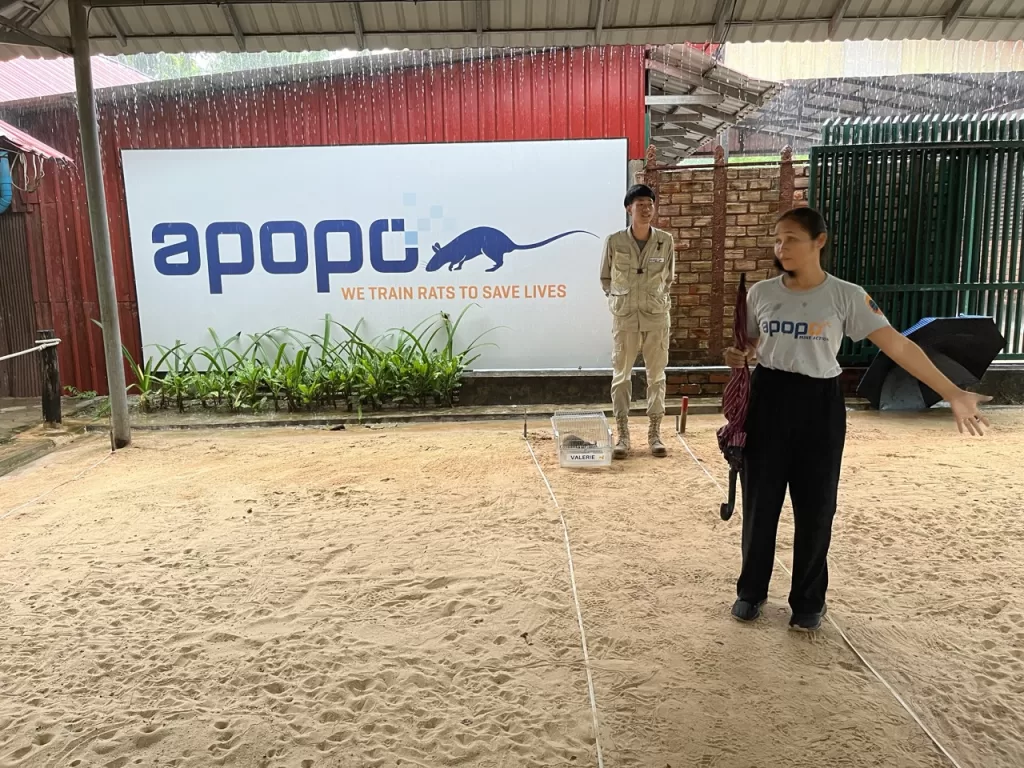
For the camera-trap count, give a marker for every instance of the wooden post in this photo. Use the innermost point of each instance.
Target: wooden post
(51, 381)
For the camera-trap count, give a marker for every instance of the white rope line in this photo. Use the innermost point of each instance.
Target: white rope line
(842, 634)
(42, 496)
(702, 467)
(579, 613)
(44, 344)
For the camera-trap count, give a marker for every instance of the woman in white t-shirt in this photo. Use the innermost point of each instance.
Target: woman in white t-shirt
(796, 420)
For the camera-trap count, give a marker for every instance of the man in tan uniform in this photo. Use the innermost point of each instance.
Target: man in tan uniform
(637, 272)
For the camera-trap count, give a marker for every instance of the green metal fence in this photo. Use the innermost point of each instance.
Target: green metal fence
(928, 215)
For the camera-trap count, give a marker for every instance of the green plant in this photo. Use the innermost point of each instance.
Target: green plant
(146, 381)
(332, 368)
(453, 364)
(78, 394)
(249, 380)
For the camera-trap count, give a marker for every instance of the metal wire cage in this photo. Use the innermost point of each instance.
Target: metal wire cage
(582, 438)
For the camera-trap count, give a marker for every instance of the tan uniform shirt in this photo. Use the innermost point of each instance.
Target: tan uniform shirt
(638, 285)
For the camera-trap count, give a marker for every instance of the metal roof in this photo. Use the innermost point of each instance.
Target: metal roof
(34, 78)
(18, 140)
(364, 66)
(692, 98)
(797, 114)
(142, 26)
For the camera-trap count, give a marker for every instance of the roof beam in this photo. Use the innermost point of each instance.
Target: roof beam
(630, 33)
(674, 153)
(666, 133)
(691, 98)
(12, 33)
(116, 25)
(723, 17)
(710, 112)
(357, 22)
(14, 5)
(677, 140)
(37, 11)
(676, 119)
(478, 10)
(842, 6)
(676, 133)
(236, 28)
(599, 26)
(956, 10)
(773, 130)
(696, 80)
(863, 86)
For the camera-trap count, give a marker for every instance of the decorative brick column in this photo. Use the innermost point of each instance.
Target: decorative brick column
(651, 175)
(715, 340)
(786, 180)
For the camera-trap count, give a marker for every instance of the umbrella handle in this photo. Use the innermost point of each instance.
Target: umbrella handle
(728, 507)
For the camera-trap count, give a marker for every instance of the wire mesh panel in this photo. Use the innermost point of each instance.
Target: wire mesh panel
(582, 438)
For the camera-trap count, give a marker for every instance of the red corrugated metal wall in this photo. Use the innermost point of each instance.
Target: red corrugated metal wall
(19, 376)
(556, 94)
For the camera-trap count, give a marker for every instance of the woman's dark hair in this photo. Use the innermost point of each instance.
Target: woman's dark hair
(810, 220)
(636, 192)
(813, 223)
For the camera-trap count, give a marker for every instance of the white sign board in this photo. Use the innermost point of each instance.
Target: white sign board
(248, 240)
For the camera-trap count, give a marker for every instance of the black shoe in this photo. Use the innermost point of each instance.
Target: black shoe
(744, 611)
(807, 622)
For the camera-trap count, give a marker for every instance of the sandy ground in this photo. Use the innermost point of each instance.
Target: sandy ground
(401, 597)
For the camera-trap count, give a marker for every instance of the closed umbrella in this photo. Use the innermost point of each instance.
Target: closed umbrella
(733, 436)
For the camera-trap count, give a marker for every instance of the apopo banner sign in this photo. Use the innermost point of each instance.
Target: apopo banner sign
(247, 240)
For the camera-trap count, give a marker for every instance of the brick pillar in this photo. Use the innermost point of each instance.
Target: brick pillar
(715, 342)
(651, 175)
(787, 181)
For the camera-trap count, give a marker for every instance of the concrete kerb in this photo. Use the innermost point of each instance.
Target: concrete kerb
(394, 417)
(707, 407)
(33, 450)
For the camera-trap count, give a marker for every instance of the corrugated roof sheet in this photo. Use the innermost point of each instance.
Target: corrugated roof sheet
(682, 129)
(14, 138)
(132, 26)
(23, 78)
(803, 107)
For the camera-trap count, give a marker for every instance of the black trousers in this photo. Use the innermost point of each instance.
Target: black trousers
(796, 431)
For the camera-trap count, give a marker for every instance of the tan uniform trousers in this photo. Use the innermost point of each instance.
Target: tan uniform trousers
(626, 344)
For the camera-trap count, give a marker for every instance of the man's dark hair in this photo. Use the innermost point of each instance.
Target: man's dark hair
(636, 192)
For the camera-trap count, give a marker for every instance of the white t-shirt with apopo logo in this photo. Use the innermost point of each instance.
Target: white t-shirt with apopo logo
(802, 331)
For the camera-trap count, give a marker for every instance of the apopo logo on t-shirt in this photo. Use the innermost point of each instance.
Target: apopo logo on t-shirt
(797, 329)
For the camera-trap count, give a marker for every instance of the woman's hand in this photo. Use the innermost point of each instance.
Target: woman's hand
(966, 413)
(737, 358)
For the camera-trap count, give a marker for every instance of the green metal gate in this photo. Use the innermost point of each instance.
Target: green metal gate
(928, 215)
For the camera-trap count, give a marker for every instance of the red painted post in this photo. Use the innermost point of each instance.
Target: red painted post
(681, 419)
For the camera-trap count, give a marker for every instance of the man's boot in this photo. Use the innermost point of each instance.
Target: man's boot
(654, 437)
(622, 444)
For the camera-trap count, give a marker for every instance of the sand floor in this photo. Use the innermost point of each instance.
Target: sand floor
(401, 597)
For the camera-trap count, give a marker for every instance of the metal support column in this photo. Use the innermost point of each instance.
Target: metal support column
(120, 428)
